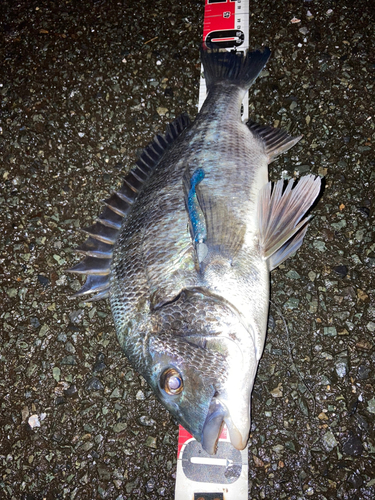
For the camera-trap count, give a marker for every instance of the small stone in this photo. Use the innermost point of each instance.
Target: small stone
(258, 462)
(150, 485)
(342, 271)
(44, 329)
(362, 295)
(291, 303)
(146, 421)
(34, 421)
(371, 405)
(162, 111)
(151, 442)
(119, 427)
(71, 391)
(56, 372)
(76, 316)
(12, 292)
(94, 384)
(24, 413)
(293, 275)
(277, 392)
(363, 372)
(68, 360)
(116, 393)
(87, 446)
(330, 331)
(355, 481)
(353, 446)
(312, 276)
(34, 322)
(99, 363)
(140, 396)
(104, 473)
(70, 347)
(45, 282)
(329, 441)
(319, 245)
(341, 369)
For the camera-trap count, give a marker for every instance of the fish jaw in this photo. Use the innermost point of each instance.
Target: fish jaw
(232, 404)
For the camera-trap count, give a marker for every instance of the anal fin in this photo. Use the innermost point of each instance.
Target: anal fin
(281, 216)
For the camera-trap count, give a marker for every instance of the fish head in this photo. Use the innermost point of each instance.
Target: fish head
(183, 378)
(205, 387)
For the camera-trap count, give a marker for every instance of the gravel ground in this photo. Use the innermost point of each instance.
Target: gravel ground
(84, 87)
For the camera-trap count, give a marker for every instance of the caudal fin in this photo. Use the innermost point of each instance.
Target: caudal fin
(233, 67)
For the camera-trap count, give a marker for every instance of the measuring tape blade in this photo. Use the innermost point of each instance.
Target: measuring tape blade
(223, 476)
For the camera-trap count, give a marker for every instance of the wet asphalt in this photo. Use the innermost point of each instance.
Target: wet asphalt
(84, 86)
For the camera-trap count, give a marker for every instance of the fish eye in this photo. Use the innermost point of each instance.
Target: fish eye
(171, 382)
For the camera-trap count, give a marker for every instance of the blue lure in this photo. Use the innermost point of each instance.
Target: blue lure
(196, 216)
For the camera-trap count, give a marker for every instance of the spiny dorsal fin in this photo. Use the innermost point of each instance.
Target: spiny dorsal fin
(281, 213)
(103, 234)
(276, 141)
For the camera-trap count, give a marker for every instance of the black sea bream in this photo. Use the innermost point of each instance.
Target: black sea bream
(184, 251)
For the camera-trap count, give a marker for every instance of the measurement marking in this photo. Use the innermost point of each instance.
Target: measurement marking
(211, 461)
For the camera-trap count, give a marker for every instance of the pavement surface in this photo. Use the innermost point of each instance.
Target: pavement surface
(84, 86)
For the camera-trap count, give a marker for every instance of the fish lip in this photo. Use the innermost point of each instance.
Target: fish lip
(213, 425)
(217, 416)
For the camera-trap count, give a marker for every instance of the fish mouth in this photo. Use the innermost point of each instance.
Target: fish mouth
(218, 414)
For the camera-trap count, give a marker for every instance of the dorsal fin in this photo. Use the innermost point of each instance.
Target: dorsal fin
(103, 234)
(275, 140)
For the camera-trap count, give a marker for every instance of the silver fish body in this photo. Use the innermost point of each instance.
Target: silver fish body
(188, 278)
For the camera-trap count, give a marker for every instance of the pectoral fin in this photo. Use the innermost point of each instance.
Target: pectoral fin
(281, 216)
(225, 232)
(214, 229)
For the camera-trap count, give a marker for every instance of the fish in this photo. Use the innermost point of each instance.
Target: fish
(184, 250)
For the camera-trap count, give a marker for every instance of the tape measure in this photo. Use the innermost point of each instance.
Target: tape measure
(226, 24)
(223, 476)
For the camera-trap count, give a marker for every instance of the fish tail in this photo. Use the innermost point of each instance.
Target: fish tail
(236, 68)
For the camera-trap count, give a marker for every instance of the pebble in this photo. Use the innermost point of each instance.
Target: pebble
(353, 446)
(341, 270)
(151, 442)
(45, 282)
(371, 405)
(341, 368)
(329, 441)
(146, 421)
(363, 372)
(140, 396)
(99, 363)
(94, 384)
